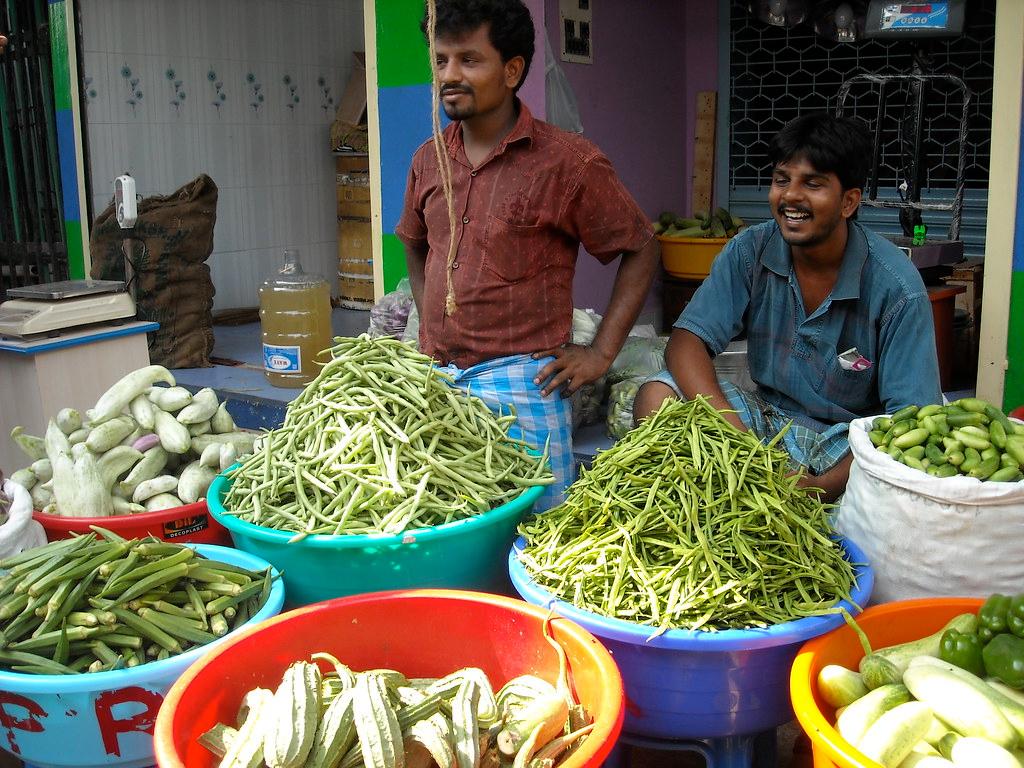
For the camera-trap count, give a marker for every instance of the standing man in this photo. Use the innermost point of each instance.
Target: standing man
(837, 318)
(497, 313)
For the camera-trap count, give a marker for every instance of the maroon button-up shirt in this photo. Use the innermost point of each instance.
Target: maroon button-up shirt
(521, 217)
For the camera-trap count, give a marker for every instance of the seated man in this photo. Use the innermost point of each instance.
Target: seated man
(837, 318)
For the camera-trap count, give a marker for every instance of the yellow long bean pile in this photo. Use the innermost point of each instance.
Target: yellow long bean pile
(379, 443)
(689, 523)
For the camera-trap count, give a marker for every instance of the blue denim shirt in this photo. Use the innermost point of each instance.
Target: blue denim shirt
(879, 305)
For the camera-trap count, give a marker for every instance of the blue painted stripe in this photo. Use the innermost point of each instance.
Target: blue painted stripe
(404, 125)
(32, 347)
(68, 165)
(1018, 234)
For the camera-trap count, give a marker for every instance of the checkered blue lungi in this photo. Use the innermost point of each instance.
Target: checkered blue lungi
(818, 449)
(507, 383)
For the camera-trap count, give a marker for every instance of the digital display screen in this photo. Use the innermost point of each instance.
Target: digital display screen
(909, 16)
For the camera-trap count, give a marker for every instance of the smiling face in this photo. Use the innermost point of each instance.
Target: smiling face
(811, 207)
(474, 80)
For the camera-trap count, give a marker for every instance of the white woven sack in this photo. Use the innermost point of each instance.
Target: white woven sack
(925, 536)
(19, 532)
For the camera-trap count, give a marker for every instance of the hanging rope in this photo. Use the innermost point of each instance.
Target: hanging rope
(444, 165)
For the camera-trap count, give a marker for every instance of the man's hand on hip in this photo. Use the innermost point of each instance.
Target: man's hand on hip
(573, 366)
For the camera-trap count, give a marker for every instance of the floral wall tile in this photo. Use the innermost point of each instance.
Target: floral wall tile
(243, 90)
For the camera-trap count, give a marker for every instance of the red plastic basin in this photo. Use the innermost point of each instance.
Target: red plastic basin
(190, 523)
(421, 633)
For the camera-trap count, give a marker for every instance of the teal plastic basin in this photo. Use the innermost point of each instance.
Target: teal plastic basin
(465, 554)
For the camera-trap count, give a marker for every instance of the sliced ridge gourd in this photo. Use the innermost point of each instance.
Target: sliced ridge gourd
(380, 738)
(290, 735)
(465, 729)
(246, 748)
(335, 734)
(435, 736)
(487, 705)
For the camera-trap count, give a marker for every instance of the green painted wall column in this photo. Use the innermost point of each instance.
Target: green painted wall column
(69, 135)
(1013, 390)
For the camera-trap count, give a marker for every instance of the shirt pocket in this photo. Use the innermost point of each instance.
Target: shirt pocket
(514, 252)
(850, 389)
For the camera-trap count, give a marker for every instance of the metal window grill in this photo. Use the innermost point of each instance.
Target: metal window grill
(32, 248)
(777, 74)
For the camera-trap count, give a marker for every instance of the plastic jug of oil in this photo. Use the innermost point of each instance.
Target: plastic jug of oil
(295, 317)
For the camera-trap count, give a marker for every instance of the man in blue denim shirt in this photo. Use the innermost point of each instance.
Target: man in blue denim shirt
(805, 288)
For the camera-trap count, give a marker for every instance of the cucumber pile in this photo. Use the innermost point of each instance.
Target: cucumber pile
(719, 223)
(968, 437)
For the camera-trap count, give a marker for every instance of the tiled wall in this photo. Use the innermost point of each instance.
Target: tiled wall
(244, 90)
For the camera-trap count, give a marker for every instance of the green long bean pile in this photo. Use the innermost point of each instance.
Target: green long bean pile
(379, 443)
(689, 523)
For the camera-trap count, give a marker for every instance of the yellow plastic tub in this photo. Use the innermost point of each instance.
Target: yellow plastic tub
(690, 257)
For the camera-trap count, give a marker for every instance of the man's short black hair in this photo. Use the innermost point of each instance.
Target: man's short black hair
(510, 23)
(839, 145)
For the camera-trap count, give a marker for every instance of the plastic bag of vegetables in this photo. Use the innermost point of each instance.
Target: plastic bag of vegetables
(620, 406)
(638, 358)
(926, 535)
(18, 531)
(388, 317)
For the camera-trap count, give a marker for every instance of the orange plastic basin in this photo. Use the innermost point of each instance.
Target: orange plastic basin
(888, 624)
(421, 633)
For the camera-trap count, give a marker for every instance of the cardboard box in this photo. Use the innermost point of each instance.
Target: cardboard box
(355, 245)
(351, 162)
(353, 201)
(355, 291)
(352, 107)
(348, 131)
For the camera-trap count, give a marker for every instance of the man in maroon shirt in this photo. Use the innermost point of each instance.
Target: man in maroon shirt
(526, 195)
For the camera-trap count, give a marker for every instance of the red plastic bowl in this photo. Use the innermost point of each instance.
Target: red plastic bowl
(191, 523)
(421, 633)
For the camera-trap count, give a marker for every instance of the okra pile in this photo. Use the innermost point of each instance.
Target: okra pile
(689, 523)
(99, 602)
(967, 437)
(381, 719)
(378, 443)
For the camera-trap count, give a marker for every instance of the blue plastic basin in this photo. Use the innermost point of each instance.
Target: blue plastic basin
(687, 684)
(105, 718)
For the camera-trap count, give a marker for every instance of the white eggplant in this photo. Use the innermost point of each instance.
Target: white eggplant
(118, 397)
(142, 410)
(222, 421)
(69, 420)
(174, 436)
(202, 408)
(108, 434)
(170, 399)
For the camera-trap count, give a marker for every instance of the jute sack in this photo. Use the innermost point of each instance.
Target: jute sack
(926, 536)
(173, 240)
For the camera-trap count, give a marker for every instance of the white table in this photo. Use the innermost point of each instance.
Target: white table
(38, 377)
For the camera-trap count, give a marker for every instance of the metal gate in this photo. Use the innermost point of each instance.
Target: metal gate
(32, 247)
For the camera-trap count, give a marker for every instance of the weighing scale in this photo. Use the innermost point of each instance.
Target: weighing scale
(45, 310)
(48, 309)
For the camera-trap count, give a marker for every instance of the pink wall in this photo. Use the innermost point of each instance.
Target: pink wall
(636, 102)
(532, 91)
